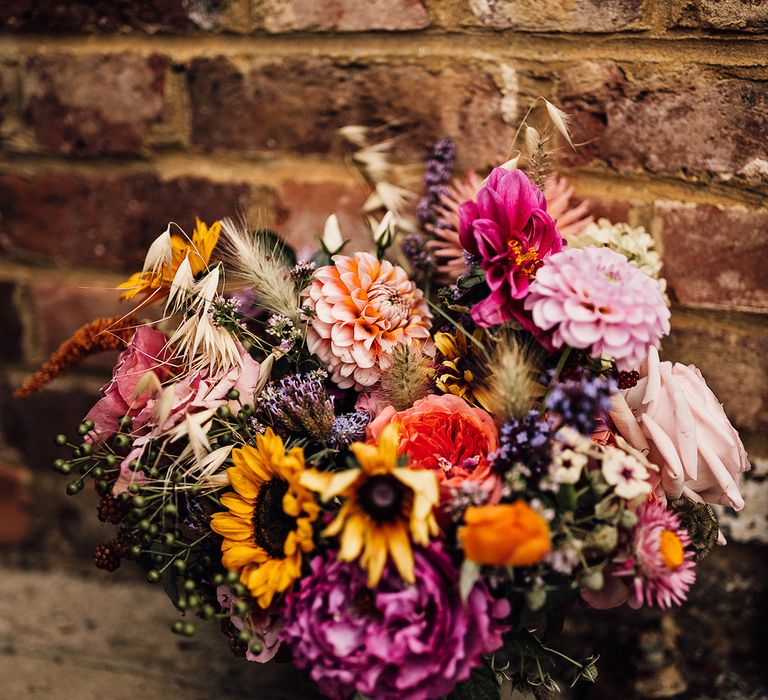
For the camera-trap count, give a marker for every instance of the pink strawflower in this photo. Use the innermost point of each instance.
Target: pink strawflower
(446, 246)
(661, 563)
(593, 298)
(364, 309)
(509, 230)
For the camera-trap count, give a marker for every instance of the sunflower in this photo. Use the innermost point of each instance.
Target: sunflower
(157, 281)
(383, 505)
(268, 526)
(464, 370)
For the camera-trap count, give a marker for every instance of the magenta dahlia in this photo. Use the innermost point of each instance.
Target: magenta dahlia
(593, 298)
(509, 230)
(394, 642)
(661, 564)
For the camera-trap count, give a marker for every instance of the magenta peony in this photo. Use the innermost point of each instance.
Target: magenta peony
(509, 230)
(397, 641)
(364, 308)
(673, 416)
(593, 298)
(147, 352)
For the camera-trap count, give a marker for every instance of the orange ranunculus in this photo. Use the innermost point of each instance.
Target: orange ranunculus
(509, 534)
(446, 435)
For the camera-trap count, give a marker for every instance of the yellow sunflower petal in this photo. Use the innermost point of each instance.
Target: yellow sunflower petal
(252, 464)
(231, 527)
(239, 556)
(237, 504)
(422, 482)
(389, 442)
(328, 484)
(399, 547)
(353, 537)
(366, 455)
(244, 485)
(338, 522)
(375, 555)
(446, 344)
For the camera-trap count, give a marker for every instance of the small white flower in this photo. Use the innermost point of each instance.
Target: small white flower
(384, 231)
(625, 473)
(568, 466)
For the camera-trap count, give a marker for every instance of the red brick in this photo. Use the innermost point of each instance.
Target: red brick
(94, 104)
(7, 89)
(343, 15)
(732, 15)
(10, 324)
(714, 256)
(111, 15)
(297, 105)
(62, 307)
(693, 122)
(303, 207)
(732, 354)
(558, 16)
(15, 516)
(110, 220)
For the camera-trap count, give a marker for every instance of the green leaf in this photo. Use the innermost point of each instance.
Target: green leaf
(481, 685)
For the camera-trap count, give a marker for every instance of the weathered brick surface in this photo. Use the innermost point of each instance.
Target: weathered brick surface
(262, 115)
(342, 15)
(111, 15)
(690, 121)
(106, 221)
(729, 15)
(7, 86)
(558, 16)
(733, 357)
(10, 324)
(303, 207)
(94, 104)
(713, 255)
(15, 499)
(83, 302)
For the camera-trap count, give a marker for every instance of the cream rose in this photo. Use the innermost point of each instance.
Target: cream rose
(674, 418)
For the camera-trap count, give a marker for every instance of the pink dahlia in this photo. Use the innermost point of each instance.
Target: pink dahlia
(396, 641)
(509, 230)
(594, 298)
(364, 308)
(661, 563)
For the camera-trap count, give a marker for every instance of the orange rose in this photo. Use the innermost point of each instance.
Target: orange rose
(509, 534)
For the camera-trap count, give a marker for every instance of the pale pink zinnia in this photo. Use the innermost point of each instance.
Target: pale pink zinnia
(363, 308)
(661, 565)
(593, 298)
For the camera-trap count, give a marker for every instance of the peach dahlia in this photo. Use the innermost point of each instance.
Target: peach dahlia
(364, 308)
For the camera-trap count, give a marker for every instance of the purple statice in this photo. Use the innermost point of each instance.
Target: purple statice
(348, 428)
(396, 641)
(526, 441)
(298, 403)
(579, 403)
(437, 171)
(283, 330)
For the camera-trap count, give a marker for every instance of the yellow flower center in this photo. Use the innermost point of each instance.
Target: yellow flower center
(528, 261)
(671, 548)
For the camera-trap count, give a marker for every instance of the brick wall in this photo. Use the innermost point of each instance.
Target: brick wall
(118, 116)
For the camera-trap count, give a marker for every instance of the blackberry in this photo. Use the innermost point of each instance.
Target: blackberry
(627, 380)
(124, 541)
(236, 645)
(105, 557)
(110, 510)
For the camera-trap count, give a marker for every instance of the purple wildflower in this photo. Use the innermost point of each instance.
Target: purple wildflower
(298, 403)
(580, 403)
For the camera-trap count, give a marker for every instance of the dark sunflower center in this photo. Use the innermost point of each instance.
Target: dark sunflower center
(382, 497)
(270, 524)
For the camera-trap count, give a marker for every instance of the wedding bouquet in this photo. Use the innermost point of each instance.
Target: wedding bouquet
(398, 468)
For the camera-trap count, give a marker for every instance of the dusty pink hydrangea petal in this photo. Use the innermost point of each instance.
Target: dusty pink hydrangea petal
(673, 416)
(264, 625)
(594, 299)
(364, 308)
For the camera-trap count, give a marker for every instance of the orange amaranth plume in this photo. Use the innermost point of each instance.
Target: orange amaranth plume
(111, 333)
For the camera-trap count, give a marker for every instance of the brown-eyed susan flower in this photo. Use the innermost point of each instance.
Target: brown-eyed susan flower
(509, 534)
(171, 251)
(385, 507)
(267, 527)
(463, 370)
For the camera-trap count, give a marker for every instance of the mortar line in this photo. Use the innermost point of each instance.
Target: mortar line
(745, 51)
